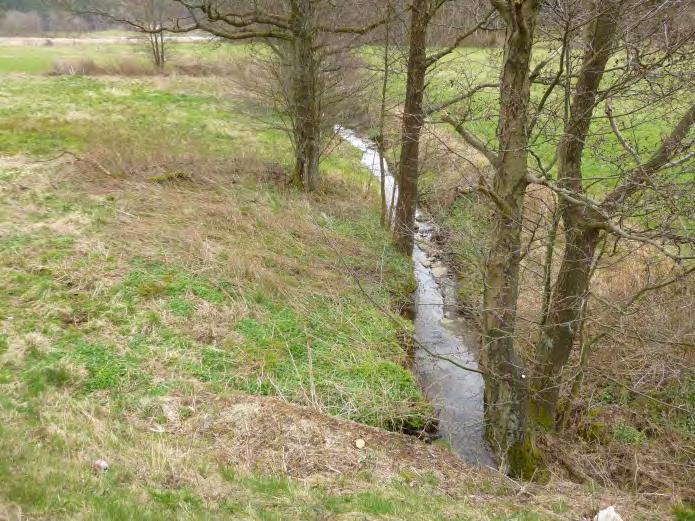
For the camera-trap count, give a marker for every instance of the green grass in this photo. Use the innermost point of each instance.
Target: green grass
(684, 513)
(40, 59)
(43, 116)
(247, 496)
(628, 434)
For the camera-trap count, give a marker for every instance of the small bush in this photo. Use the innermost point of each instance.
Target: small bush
(88, 67)
(628, 434)
(83, 67)
(134, 68)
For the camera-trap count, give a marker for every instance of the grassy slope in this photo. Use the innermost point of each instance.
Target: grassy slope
(124, 288)
(148, 286)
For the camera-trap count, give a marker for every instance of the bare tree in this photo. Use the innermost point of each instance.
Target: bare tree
(519, 395)
(306, 34)
(585, 220)
(155, 13)
(422, 14)
(151, 18)
(303, 33)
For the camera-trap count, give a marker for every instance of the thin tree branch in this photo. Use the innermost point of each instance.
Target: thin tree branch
(471, 139)
(642, 173)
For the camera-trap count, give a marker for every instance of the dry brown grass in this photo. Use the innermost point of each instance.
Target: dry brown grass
(193, 208)
(182, 440)
(88, 67)
(137, 68)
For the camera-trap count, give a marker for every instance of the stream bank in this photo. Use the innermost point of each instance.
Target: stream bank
(456, 394)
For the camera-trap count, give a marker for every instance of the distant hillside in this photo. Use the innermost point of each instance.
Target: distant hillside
(24, 5)
(36, 17)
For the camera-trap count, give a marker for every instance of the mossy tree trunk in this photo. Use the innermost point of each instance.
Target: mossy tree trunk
(506, 385)
(581, 236)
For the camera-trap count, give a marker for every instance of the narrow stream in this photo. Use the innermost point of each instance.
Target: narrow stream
(456, 394)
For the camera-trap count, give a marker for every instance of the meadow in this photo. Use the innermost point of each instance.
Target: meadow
(172, 305)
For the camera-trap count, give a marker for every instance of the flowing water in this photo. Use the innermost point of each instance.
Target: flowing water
(456, 394)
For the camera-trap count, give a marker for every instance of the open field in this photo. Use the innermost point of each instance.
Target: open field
(171, 305)
(40, 59)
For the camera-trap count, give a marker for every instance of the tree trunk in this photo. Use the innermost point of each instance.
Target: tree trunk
(506, 387)
(408, 168)
(581, 238)
(157, 49)
(162, 53)
(306, 96)
(564, 317)
(584, 349)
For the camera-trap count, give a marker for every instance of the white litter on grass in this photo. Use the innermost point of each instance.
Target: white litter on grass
(608, 514)
(100, 466)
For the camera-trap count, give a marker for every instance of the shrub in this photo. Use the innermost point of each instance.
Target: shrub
(88, 67)
(628, 434)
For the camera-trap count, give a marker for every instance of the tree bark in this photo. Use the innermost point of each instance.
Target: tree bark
(581, 237)
(506, 387)
(305, 103)
(408, 169)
